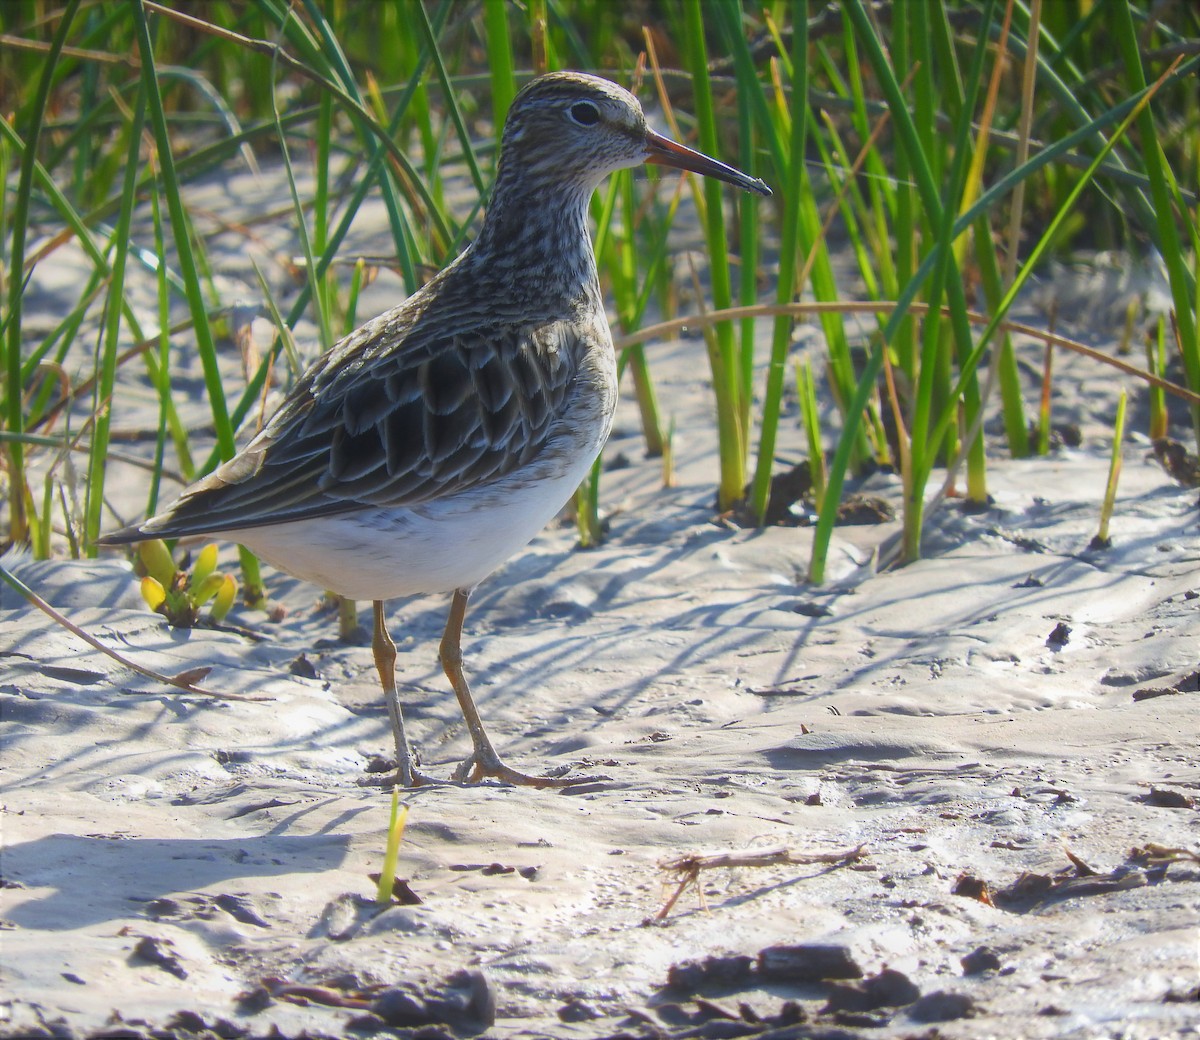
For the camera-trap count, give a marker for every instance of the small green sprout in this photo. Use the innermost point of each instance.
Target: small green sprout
(179, 596)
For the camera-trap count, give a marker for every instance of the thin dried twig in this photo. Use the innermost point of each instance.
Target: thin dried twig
(688, 867)
(667, 328)
(180, 681)
(1156, 855)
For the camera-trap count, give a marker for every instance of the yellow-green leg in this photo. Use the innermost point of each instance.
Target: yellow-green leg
(483, 760)
(407, 773)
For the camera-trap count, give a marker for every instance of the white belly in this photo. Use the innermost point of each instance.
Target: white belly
(442, 545)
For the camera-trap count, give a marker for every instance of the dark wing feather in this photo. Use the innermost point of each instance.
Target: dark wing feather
(401, 412)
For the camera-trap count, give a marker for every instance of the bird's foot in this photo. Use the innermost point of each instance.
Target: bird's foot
(480, 765)
(399, 773)
(484, 762)
(414, 778)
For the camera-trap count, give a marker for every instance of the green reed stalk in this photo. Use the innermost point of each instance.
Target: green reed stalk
(794, 192)
(324, 289)
(282, 330)
(587, 495)
(15, 419)
(1156, 359)
(881, 190)
(391, 854)
(909, 230)
(1012, 403)
(205, 346)
(357, 280)
(587, 508)
(6, 157)
(851, 206)
(107, 361)
(1047, 238)
(748, 250)
(160, 376)
(188, 265)
(541, 49)
(319, 284)
(1044, 423)
(500, 58)
(723, 356)
(449, 98)
(623, 271)
(1182, 281)
(1102, 541)
(961, 102)
(373, 175)
(810, 417)
(945, 276)
(60, 340)
(88, 169)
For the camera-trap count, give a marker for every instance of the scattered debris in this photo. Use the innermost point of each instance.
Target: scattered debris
(1189, 683)
(688, 868)
(1180, 463)
(1030, 890)
(729, 972)
(467, 1001)
(1155, 855)
(402, 893)
(158, 952)
(979, 960)
(1187, 996)
(865, 509)
(578, 1010)
(943, 1006)
(890, 988)
(973, 888)
(1059, 636)
(808, 962)
(241, 908)
(1169, 798)
(303, 667)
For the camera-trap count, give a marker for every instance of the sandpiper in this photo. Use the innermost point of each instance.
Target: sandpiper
(430, 445)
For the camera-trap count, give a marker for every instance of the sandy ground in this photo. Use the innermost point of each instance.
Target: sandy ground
(181, 865)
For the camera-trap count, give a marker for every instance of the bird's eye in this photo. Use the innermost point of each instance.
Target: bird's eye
(584, 113)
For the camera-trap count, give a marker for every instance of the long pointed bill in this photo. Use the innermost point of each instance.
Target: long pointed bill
(665, 152)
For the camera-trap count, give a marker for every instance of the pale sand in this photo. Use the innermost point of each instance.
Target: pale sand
(923, 713)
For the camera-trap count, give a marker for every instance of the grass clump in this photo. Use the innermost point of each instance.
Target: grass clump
(949, 151)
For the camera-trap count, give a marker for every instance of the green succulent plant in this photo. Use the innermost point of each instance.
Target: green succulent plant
(179, 595)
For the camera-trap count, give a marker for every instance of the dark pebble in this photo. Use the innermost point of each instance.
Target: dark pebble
(808, 962)
(710, 973)
(399, 1007)
(576, 1010)
(942, 1006)
(979, 960)
(1060, 635)
(724, 1029)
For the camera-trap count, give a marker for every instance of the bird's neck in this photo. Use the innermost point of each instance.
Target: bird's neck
(536, 240)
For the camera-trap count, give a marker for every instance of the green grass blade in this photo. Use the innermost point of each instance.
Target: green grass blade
(500, 58)
(160, 376)
(727, 369)
(202, 330)
(1102, 541)
(18, 528)
(1183, 285)
(102, 410)
(794, 192)
(391, 855)
(449, 98)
